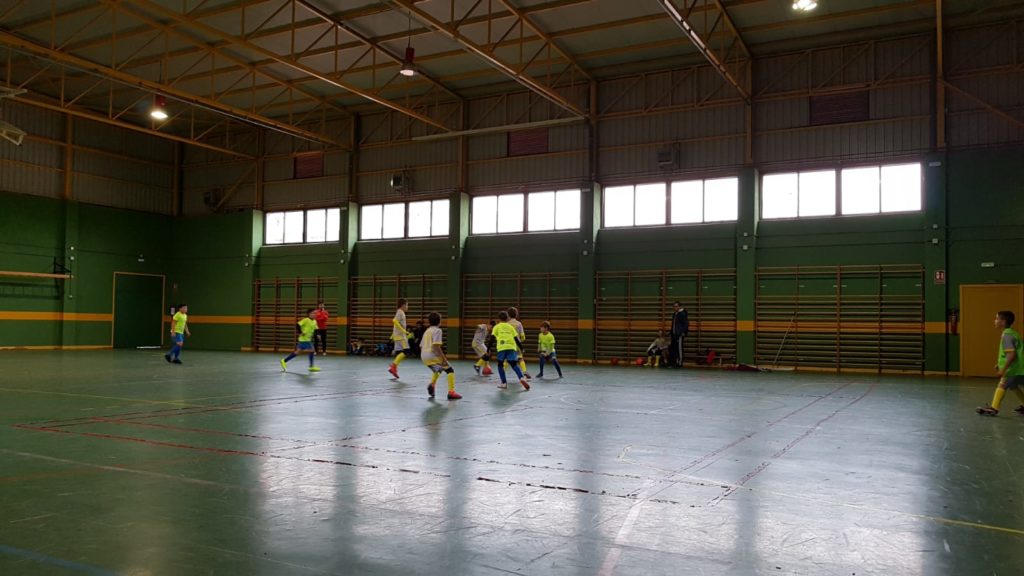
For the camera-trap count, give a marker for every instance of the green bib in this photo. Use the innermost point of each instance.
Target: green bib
(1016, 369)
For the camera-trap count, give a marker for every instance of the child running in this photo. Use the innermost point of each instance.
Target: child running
(432, 354)
(322, 315)
(179, 329)
(508, 350)
(546, 349)
(656, 351)
(1009, 368)
(483, 357)
(513, 320)
(400, 336)
(306, 329)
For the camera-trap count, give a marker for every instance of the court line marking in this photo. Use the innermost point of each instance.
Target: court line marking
(54, 561)
(612, 559)
(181, 403)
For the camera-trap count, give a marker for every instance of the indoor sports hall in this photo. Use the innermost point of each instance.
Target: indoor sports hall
(491, 287)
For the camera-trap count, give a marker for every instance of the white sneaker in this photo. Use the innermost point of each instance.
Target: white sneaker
(503, 386)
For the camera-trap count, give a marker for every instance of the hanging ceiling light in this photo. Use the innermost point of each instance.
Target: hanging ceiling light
(408, 63)
(804, 5)
(408, 67)
(159, 111)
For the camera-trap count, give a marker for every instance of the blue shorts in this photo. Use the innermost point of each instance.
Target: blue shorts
(178, 338)
(304, 346)
(508, 356)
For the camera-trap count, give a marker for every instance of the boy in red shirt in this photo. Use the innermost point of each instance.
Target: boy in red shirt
(321, 315)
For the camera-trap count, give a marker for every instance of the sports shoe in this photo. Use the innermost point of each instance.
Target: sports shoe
(167, 357)
(394, 371)
(526, 385)
(176, 361)
(1019, 409)
(528, 377)
(284, 365)
(430, 390)
(987, 410)
(314, 368)
(502, 386)
(540, 375)
(487, 371)
(477, 368)
(453, 395)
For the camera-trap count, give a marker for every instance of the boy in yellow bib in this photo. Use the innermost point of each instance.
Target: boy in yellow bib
(508, 350)
(432, 354)
(1009, 367)
(306, 328)
(179, 329)
(399, 336)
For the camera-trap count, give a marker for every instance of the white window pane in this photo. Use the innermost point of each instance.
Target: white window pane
(618, 206)
(419, 219)
(394, 221)
(688, 202)
(860, 190)
(818, 193)
(316, 226)
(485, 215)
(370, 221)
(333, 224)
(440, 219)
(510, 213)
(779, 196)
(722, 200)
(293, 227)
(542, 212)
(273, 231)
(650, 204)
(567, 210)
(901, 188)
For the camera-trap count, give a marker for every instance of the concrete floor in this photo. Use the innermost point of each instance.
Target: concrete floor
(118, 463)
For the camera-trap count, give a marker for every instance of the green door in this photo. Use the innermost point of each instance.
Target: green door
(138, 311)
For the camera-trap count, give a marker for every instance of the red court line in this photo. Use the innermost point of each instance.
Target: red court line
(225, 451)
(259, 403)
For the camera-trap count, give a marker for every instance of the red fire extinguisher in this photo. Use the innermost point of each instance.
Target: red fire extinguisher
(954, 317)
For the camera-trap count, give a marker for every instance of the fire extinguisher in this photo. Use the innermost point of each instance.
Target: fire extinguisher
(954, 317)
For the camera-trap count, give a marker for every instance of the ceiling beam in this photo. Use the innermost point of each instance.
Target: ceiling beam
(289, 60)
(715, 37)
(516, 70)
(82, 64)
(370, 42)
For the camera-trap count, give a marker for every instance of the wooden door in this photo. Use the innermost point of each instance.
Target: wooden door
(979, 338)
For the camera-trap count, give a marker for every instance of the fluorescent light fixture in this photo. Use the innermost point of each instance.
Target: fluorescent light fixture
(804, 5)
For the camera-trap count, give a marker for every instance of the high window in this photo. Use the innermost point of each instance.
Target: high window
(850, 191)
(302, 226)
(681, 202)
(534, 212)
(422, 219)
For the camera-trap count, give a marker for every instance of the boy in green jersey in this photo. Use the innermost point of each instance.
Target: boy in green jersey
(508, 350)
(1009, 367)
(179, 329)
(546, 349)
(306, 328)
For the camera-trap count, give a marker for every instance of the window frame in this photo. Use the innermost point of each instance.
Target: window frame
(555, 192)
(406, 213)
(838, 170)
(668, 185)
(305, 226)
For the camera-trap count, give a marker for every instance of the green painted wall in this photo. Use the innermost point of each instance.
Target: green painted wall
(93, 242)
(972, 207)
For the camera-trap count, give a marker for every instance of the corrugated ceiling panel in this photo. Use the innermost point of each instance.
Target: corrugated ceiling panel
(28, 179)
(35, 121)
(845, 141)
(93, 189)
(398, 156)
(431, 182)
(305, 193)
(524, 170)
(146, 173)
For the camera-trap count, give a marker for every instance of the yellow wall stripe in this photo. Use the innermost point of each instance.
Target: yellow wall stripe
(56, 316)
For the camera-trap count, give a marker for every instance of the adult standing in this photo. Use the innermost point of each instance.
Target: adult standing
(321, 315)
(680, 328)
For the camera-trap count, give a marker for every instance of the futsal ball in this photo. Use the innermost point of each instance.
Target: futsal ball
(615, 361)
(639, 362)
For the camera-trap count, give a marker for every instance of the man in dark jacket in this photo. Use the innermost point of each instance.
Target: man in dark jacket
(680, 328)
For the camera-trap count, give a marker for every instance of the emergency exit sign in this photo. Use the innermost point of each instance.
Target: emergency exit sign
(940, 276)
